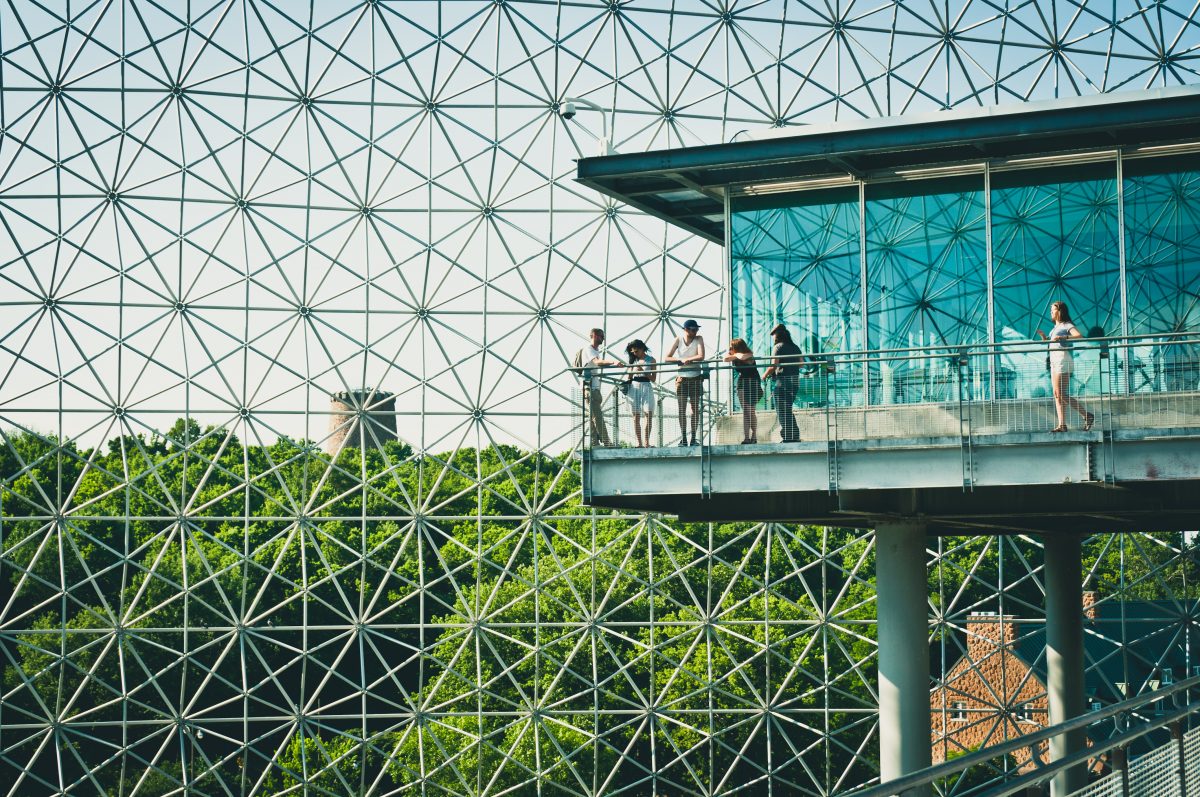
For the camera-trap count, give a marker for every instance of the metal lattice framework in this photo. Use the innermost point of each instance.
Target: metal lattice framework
(215, 215)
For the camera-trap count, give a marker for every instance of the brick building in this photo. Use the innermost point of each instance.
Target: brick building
(997, 690)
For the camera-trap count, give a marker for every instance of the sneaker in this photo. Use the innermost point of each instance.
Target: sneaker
(694, 442)
(683, 442)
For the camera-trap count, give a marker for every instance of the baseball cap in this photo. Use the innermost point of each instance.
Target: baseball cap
(691, 324)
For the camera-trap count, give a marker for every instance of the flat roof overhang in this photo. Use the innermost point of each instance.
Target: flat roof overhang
(687, 187)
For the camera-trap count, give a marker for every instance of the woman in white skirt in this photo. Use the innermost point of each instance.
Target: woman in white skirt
(639, 392)
(1062, 365)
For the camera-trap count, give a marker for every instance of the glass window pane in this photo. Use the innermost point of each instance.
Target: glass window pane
(796, 260)
(926, 281)
(1162, 269)
(1054, 237)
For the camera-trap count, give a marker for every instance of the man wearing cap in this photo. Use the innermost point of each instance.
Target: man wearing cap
(688, 351)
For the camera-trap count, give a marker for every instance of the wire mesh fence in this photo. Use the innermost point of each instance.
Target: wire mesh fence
(1101, 386)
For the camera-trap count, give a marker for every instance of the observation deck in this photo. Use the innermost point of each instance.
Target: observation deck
(913, 258)
(929, 432)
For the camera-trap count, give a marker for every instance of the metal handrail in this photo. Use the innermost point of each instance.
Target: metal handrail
(929, 775)
(932, 351)
(996, 388)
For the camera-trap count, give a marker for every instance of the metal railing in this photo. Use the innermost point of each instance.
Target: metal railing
(961, 392)
(1172, 769)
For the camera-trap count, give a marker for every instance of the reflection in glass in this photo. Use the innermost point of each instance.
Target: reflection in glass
(796, 261)
(1162, 270)
(1054, 237)
(926, 280)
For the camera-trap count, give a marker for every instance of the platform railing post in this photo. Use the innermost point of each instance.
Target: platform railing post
(831, 432)
(662, 421)
(1120, 763)
(1106, 413)
(615, 437)
(966, 443)
(1180, 753)
(587, 433)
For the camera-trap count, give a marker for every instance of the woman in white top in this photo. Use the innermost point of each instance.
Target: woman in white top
(639, 377)
(1062, 364)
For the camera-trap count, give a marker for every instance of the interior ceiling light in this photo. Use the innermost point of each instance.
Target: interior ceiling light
(1094, 156)
(760, 189)
(925, 172)
(1178, 148)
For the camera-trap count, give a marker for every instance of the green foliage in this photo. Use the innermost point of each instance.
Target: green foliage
(508, 632)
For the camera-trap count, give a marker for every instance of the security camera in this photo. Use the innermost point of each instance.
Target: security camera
(567, 111)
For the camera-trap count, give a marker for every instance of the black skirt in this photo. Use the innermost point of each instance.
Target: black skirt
(749, 391)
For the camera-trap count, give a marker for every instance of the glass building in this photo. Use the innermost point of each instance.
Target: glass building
(976, 257)
(915, 261)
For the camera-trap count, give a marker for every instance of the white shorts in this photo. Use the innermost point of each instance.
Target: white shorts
(1061, 364)
(640, 397)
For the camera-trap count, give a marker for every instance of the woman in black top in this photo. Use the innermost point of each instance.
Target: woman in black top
(785, 367)
(749, 386)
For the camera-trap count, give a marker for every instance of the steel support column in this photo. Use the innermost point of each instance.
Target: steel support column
(903, 610)
(1064, 653)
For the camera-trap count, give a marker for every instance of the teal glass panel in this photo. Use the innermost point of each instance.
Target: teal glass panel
(926, 281)
(1054, 237)
(1162, 270)
(796, 260)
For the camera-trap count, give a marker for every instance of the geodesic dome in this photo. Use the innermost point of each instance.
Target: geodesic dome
(214, 217)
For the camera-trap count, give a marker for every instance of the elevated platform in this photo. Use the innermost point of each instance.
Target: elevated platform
(959, 460)
(997, 483)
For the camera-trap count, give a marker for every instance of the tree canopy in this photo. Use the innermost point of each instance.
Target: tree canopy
(277, 618)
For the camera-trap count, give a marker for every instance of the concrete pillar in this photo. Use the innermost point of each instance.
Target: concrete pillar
(903, 611)
(1064, 653)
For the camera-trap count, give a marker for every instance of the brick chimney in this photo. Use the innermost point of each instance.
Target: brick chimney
(1089, 604)
(987, 631)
